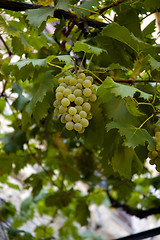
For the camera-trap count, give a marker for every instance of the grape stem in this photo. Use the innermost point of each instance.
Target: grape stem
(146, 121)
(64, 70)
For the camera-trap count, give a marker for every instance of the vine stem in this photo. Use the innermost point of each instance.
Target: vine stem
(146, 121)
(54, 65)
(83, 9)
(86, 70)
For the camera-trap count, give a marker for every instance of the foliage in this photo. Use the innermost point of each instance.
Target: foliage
(41, 44)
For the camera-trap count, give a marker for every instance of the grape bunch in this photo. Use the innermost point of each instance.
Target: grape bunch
(154, 154)
(73, 97)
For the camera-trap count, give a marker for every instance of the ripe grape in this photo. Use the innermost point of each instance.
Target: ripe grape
(56, 103)
(71, 97)
(86, 107)
(79, 108)
(67, 79)
(56, 111)
(78, 127)
(63, 119)
(73, 81)
(66, 92)
(78, 101)
(87, 83)
(90, 78)
(93, 98)
(80, 80)
(60, 89)
(72, 110)
(62, 109)
(79, 85)
(83, 114)
(87, 92)
(82, 76)
(69, 126)
(76, 118)
(65, 102)
(59, 95)
(61, 80)
(68, 118)
(84, 122)
(77, 93)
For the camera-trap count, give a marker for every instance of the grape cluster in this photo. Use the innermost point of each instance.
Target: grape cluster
(154, 154)
(72, 104)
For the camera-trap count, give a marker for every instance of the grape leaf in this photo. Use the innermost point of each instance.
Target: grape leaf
(34, 62)
(88, 5)
(132, 107)
(123, 35)
(120, 89)
(64, 58)
(37, 16)
(150, 63)
(133, 136)
(152, 5)
(62, 4)
(82, 46)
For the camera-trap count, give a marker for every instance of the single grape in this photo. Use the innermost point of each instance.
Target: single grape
(86, 107)
(77, 127)
(62, 109)
(72, 110)
(83, 114)
(80, 80)
(63, 119)
(73, 88)
(93, 88)
(71, 97)
(93, 98)
(87, 83)
(150, 148)
(76, 118)
(82, 131)
(89, 116)
(60, 89)
(157, 135)
(79, 108)
(59, 95)
(66, 92)
(56, 111)
(158, 146)
(85, 99)
(87, 92)
(78, 101)
(154, 154)
(56, 103)
(77, 93)
(69, 126)
(68, 118)
(63, 85)
(73, 81)
(90, 78)
(65, 102)
(84, 122)
(67, 79)
(79, 86)
(82, 76)
(61, 80)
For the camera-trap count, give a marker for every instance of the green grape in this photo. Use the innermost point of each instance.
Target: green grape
(63, 85)
(79, 108)
(79, 86)
(78, 101)
(77, 93)
(72, 110)
(152, 162)
(68, 118)
(93, 98)
(83, 114)
(62, 109)
(60, 89)
(86, 107)
(90, 78)
(73, 88)
(61, 80)
(66, 92)
(87, 83)
(69, 126)
(158, 146)
(157, 135)
(67, 79)
(150, 148)
(93, 88)
(87, 92)
(85, 99)
(73, 81)
(77, 127)
(56, 111)
(80, 80)
(76, 118)
(82, 76)
(63, 119)
(154, 154)
(56, 103)
(65, 102)
(157, 162)
(59, 95)
(89, 116)
(84, 122)
(71, 97)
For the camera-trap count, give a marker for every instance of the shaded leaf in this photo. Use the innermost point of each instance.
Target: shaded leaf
(81, 46)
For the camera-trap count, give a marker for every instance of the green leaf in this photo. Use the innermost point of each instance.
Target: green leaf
(37, 16)
(150, 63)
(63, 58)
(34, 62)
(132, 107)
(152, 5)
(88, 5)
(81, 46)
(123, 35)
(115, 66)
(42, 231)
(17, 45)
(62, 4)
(82, 212)
(119, 89)
(133, 136)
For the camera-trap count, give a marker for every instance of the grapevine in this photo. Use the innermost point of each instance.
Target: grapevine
(73, 101)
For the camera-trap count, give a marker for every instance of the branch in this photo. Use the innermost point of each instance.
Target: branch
(133, 212)
(6, 46)
(59, 13)
(114, 4)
